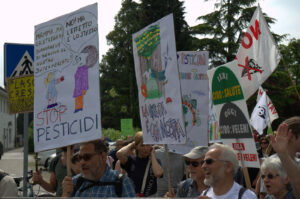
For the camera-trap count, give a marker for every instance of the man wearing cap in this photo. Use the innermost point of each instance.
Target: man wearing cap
(193, 186)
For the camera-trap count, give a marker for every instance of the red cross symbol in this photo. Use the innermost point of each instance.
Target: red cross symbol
(248, 68)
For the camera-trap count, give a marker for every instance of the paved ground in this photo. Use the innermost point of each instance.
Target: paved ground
(12, 162)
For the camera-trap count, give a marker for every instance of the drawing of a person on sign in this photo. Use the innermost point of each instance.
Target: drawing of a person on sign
(50, 83)
(88, 58)
(152, 72)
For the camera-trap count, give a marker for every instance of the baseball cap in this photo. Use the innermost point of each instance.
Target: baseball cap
(197, 152)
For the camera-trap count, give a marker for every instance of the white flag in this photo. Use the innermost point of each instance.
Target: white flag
(273, 115)
(258, 55)
(260, 115)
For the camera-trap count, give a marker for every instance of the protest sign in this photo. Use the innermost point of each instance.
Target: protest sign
(232, 113)
(258, 55)
(66, 80)
(213, 124)
(127, 127)
(20, 93)
(158, 83)
(193, 67)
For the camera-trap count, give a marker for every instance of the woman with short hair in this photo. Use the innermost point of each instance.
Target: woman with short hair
(275, 179)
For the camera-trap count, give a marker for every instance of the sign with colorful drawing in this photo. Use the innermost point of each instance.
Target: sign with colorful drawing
(157, 77)
(232, 113)
(66, 79)
(193, 66)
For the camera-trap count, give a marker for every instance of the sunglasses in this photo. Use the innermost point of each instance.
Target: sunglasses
(264, 143)
(86, 157)
(270, 176)
(193, 163)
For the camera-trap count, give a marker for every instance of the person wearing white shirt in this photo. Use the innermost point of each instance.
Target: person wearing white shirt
(220, 166)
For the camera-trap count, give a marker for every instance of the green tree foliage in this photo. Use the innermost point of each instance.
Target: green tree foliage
(221, 31)
(119, 94)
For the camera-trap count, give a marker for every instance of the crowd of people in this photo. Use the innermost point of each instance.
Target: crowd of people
(135, 169)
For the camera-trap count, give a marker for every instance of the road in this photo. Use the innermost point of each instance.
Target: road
(12, 163)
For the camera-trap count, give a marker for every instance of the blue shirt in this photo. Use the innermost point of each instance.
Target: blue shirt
(108, 190)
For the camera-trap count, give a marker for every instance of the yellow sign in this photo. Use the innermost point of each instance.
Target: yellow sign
(20, 93)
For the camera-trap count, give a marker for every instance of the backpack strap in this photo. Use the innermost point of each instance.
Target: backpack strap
(241, 192)
(79, 182)
(118, 184)
(205, 191)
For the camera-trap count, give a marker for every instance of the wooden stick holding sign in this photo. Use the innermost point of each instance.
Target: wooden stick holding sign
(168, 167)
(245, 170)
(69, 161)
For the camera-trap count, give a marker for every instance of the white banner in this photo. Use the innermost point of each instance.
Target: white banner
(158, 83)
(273, 115)
(66, 80)
(258, 55)
(260, 115)
(193, 67)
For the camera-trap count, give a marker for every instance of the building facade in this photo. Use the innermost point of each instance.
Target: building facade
(7, 124)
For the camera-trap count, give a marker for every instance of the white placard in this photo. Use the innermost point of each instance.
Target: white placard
(158, 83)
(193, 66)
(66, 80)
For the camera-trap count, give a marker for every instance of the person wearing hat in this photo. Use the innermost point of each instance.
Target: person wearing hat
(193, 186)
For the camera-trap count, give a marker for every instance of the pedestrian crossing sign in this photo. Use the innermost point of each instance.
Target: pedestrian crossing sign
(18, 60)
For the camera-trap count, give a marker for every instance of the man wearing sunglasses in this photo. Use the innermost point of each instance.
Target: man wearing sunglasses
(193, 186)
(220, 166)
(96, 178)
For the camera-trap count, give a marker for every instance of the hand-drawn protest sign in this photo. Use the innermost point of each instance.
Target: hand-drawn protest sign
(66, 78)
(157, 77)
(232, 112)
(193, 66)
(258, 55)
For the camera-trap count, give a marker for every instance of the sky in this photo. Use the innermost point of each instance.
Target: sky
(18, 18)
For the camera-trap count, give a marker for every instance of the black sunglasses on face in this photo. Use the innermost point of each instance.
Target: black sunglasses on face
(86, 157)
(193, 163)
(270, 176)
(209, 161)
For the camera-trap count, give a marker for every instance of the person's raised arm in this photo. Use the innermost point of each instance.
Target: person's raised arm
(123, 153)
(280, 144)
(157, 169)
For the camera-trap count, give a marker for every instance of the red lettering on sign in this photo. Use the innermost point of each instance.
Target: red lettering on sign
(255, 32)
(272, 108)
(249, 41)
(238, 146)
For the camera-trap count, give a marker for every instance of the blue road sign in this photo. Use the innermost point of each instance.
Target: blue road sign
(13, 54)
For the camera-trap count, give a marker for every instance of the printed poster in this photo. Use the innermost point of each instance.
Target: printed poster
(158, 83)
(193, 66)
(66, 80)
(232, 113)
